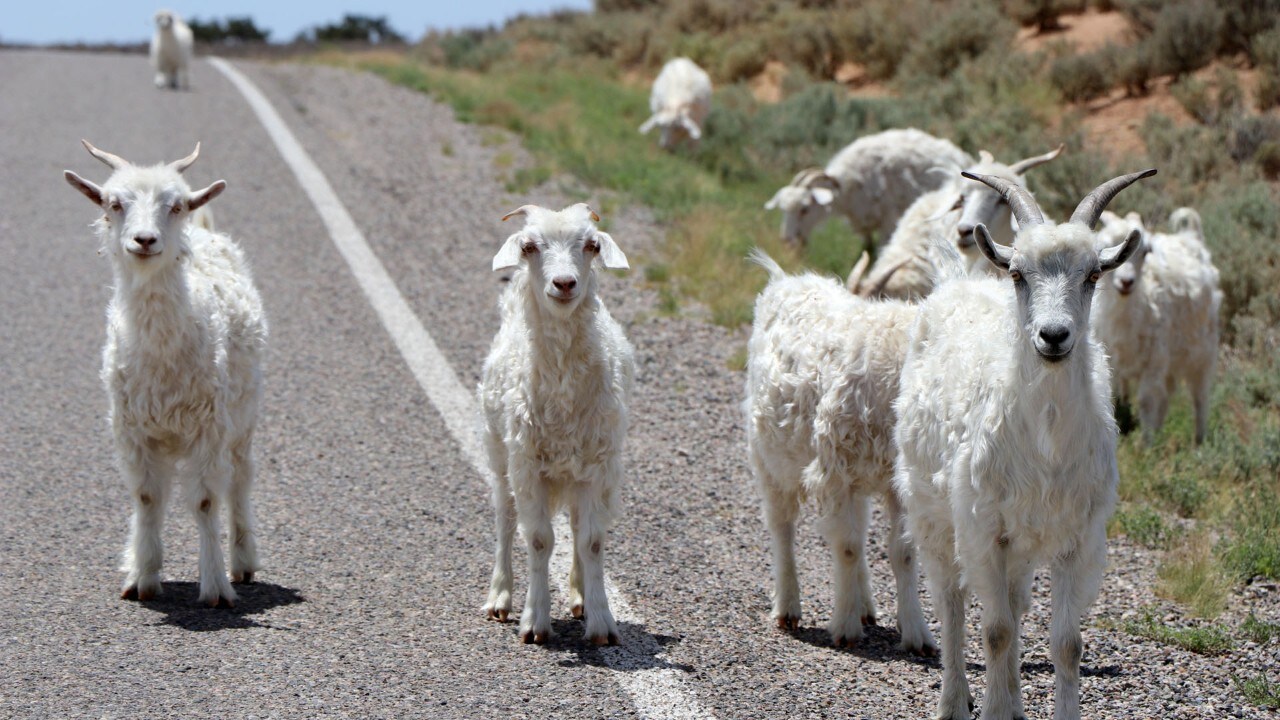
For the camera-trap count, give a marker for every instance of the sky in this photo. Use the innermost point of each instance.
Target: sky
(123, 21)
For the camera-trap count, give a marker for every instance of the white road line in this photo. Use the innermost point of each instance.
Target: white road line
(654, 687)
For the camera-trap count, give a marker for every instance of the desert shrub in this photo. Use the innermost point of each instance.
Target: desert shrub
(1253, 549)
(806, 40)
(466, 49)
(1141, 14)
(1268, 159)
(879, 33)
(743, 59)
(1194, 97)
(1247, 133)
(967, 30)
(1265, 50)
(1244, 21)
(1145, 526)
(612, 6)
(1241, 225)
(1081, 78)
(1186, 36)
(1134, 69)
(711, 16)
(1042, 13)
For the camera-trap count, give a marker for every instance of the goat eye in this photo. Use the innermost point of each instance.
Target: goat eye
(529, 248)
(177, 209)
(959, 203)
(590, 246)
(1015, 275)
(115, 206)
(1095, 276)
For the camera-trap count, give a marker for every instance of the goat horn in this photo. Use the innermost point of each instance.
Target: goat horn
(591, 212)
(115, 162)
(1022, 166)
(184, 163)
(855, 275)
(1091, 207)
(522, 210)
(877, 290)
(1020, 201)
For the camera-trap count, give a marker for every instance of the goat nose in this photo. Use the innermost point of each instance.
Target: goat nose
(1054, 334)
(145, 241)
(564, 284)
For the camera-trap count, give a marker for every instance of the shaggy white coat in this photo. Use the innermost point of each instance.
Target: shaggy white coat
(1158, 318)
(947, 214)
(182, 369)
(1007, 460)
(870, 182)
(822, 374)
(171, 51)
(679, 101)
(554, 396)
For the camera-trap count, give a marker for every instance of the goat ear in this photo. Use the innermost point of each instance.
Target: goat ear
(999, 255)
(1113, 257)
(200, 198)
(509, 254)
(773, 201)
(610, 254)
(648, 124)
(823, 196)
(691, 127)
(86, 188)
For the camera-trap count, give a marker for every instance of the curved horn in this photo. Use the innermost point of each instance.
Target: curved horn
(1091, 207)
(1020, 201)
(882, 282)
(115, 162)
(522, 210)
(855, 275)
(1022, 166)
(184, 163)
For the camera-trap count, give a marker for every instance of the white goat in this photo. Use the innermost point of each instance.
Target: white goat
(1158, 317)
(554, 398)
(870, 182)
(950, 214)
(185, 336)
(680, 101)
(1007, 444)
(171, 51)
(822, 374)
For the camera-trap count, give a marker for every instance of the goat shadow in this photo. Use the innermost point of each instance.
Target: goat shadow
(178, 606)
(881, 644)
(638, 649)
(878, 643)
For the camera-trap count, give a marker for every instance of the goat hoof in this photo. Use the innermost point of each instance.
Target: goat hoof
(498, 614)
(869, 619)
(844, 642)
(577, 612)
(789, 622)
(535, 638)
(602, 640)
(221, 602)
(133, 592)
(924, 651)
(244, 578)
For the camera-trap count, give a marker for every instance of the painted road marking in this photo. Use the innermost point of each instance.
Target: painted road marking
(655, 686)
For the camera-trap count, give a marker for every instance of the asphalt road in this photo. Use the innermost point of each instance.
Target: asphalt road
(375, 528)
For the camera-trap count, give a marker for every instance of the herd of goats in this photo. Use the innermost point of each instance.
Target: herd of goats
(966, 379)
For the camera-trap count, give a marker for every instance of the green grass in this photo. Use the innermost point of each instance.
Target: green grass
(1258, 631)
(1203, 640)
(1259, 690)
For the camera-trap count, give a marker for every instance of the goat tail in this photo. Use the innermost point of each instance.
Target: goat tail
(771, 266)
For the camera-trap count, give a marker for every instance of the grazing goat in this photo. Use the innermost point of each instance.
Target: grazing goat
(1006, 444)
(182, 367)
(822, 374)
(680, 101)
(870, 182)
(1158, 318)
(554, 395)
(171, 51)
(949, 213)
